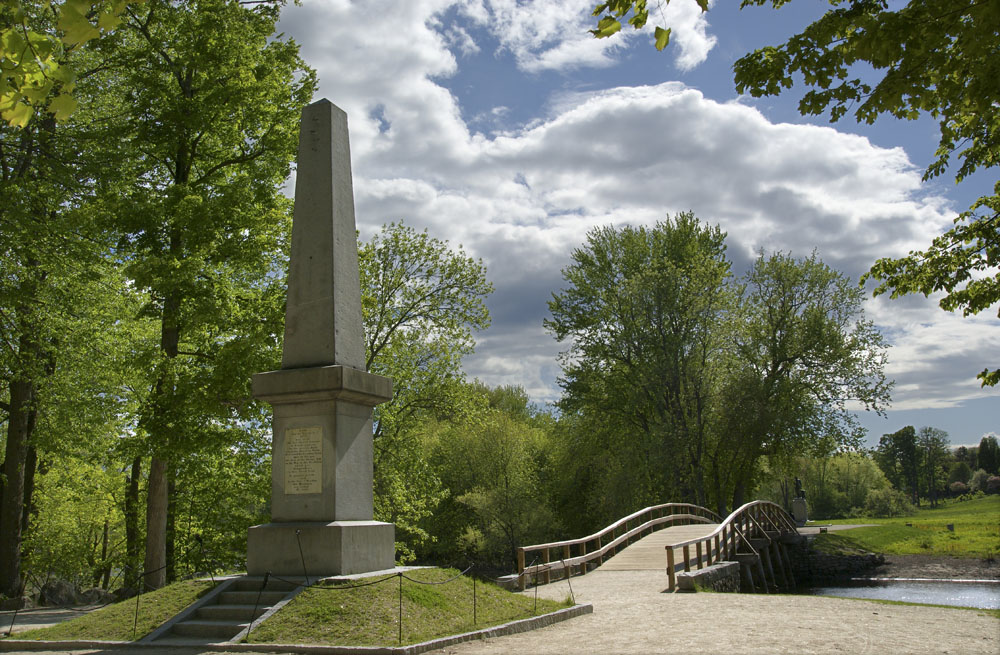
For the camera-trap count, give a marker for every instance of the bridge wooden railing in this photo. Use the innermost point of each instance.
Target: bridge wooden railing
(757, 520)
(592, 549)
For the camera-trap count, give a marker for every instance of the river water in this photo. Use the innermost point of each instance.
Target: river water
(984, 595)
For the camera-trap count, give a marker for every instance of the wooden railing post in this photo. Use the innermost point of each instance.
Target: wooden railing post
(566, 556)
(687, 558)
(671, 574)
(545, 560)
(520, 569)
(583, 553)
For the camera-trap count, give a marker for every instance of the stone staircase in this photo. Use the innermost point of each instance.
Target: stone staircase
(225, 613)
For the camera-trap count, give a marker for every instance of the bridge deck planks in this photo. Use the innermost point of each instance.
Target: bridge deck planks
(649, 553)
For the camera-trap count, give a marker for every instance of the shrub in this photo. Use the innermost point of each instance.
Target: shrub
(993, 484)
(958, 488)
(978, 480)
(886, 503)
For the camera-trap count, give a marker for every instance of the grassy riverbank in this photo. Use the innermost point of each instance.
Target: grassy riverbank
(976, 533)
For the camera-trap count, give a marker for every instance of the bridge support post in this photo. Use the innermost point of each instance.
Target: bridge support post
(566, 556)
(776, 547)
(671, 573)
(547, 575)
(687, 558)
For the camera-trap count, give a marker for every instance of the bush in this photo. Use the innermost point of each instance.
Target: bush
(993, 484)
(958, 488)
(886, 503)
(978, 481)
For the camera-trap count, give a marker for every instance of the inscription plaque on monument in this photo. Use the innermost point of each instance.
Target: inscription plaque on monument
(304, 460)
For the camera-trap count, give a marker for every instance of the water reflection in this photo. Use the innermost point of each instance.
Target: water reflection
(984, 595)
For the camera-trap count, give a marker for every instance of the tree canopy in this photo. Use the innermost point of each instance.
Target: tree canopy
(681, 379)
(867, 57)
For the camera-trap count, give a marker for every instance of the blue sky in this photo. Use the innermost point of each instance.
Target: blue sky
(505, 127)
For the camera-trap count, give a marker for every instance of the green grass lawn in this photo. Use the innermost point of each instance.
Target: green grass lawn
(115, 622)
(977, 530)
(337, 615)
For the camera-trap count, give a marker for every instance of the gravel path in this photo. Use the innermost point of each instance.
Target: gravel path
(633, 615)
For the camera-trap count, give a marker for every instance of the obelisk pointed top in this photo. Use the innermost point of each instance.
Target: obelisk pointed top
(323, 316)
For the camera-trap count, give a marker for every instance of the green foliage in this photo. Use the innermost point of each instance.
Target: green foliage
(337, 615)
(887, 503)
(899, 459)
(493, 468)
(640, 314)
(839, 485)
(680, 382)
(115, 622)
(959, 472)
(802, 350)
(978, 481)
(36, 39)
(421, 302)
(615, 10)
(989, 454)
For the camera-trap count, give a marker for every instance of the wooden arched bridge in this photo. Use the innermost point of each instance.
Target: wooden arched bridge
(675, 537)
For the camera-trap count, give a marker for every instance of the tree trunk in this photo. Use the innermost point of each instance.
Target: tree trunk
(155, 572)
(19, 423)
(103, 569)
(132, 522)
(738, 493)
(30, 467)
(171, 533)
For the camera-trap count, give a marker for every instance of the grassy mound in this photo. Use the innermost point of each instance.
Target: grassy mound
(355, 615)
(977, 531)
(115, 622)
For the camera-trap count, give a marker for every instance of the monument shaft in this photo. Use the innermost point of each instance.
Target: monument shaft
(321, 456)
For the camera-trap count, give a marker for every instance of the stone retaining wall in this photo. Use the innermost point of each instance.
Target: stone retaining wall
(812, 567)
(724, 577)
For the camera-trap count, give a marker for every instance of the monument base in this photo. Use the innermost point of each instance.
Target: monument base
(337, 548)
(800, 511)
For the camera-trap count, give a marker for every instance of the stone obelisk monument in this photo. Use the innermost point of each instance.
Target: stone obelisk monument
(321, 453)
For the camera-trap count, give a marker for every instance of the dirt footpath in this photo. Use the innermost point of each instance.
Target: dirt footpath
(632, 615)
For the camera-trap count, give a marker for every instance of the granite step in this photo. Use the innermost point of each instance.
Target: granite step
(251, 598)
(235, 613)
(223, 630)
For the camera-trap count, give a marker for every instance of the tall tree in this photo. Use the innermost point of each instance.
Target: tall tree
(802, 349)
(898, 457)
(933, 446)
(905, 59)
(989, 454)
(211, 104)
(640, 313)
(422, 300)
(53, 275)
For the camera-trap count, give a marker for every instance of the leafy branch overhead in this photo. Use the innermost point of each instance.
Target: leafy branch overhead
(614, 11)
(35, 43)
(925, 57)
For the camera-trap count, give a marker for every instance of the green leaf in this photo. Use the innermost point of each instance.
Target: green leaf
(19, 115)
(62, 106)
(606, 27)
(75, 26)
(662, 37)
